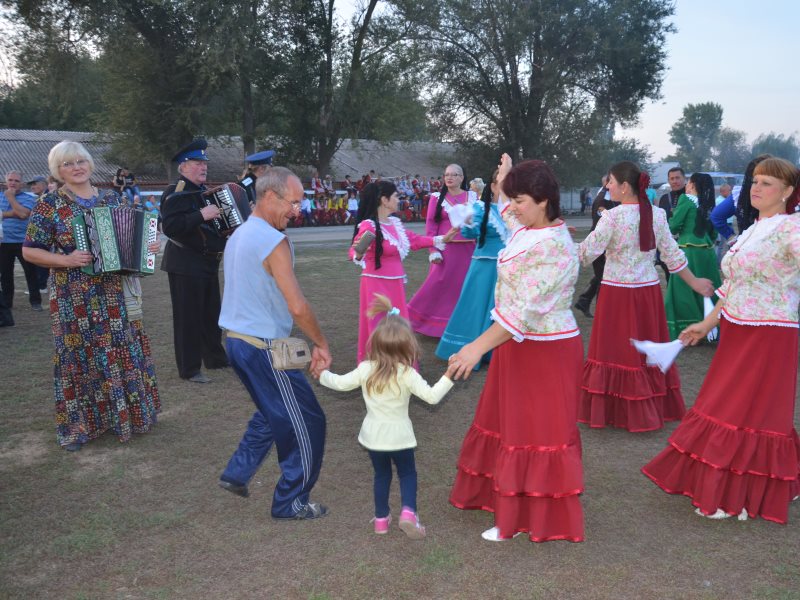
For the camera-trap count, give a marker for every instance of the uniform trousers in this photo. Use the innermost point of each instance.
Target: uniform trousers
(8, 254)
(287, 415)
(195, 313)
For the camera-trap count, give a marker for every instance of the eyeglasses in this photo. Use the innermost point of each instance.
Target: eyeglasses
(295, 204)
(453, 175)
(69, 164)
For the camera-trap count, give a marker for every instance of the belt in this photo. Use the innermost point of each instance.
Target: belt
(217, 255)
(252, 340)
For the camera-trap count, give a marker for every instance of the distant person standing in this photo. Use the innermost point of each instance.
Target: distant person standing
(16, 207)
(430, 308)
(677, 186)
(602, 202)
(257, 166)
(38, 186)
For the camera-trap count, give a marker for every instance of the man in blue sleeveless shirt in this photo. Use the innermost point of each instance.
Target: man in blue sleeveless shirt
(261, 301)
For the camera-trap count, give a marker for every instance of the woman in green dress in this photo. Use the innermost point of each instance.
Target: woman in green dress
(691, 222)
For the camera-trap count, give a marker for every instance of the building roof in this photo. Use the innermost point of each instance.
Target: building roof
(26, 150)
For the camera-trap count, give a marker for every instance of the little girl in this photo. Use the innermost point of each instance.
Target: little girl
(387, 379)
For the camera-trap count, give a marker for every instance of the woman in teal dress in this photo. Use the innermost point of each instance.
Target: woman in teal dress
(471, 316)
(691, 222)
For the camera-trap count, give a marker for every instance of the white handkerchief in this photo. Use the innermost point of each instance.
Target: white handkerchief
(708, 306)
(659, 354)
(458, 214)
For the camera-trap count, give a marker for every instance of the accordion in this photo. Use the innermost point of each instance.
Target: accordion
(117, 237)
(233, 204)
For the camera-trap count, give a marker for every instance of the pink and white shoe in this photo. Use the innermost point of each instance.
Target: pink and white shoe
(382, 524)
(409, 523)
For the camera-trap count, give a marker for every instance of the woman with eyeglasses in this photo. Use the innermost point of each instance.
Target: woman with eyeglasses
(104, 377)
(472, 314)
(430, 308)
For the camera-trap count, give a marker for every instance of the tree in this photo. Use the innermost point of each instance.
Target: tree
(541, 79)
(778, 145)
(59, 79)
(732, 152)
(695, 134)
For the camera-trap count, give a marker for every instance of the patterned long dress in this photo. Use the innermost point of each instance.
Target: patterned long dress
(104, 377)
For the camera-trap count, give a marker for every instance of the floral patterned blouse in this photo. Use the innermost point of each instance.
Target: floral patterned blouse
(762, 274)
(536, 276)
(397, 242)
(617, 234)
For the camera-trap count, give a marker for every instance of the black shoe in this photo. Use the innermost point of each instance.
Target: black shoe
(585, 310)
(37, 307)
(312, 510)
(73, 447)
(234, 488)
(199, 378)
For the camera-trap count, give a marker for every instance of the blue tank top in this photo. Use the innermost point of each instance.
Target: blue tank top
(252, 303)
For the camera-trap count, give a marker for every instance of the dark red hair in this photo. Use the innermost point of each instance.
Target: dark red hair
(628, 172)
(536, 179)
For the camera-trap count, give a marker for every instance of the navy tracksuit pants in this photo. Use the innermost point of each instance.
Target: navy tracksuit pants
(287, 415)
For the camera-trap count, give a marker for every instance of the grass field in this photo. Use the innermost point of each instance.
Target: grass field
(146, 519)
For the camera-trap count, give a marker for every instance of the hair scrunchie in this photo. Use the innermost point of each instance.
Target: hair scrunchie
(647, 238)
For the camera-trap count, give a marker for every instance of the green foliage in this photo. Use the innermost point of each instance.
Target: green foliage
(695, 135)
(732, 152)
(542, 79)
(781, 146)
(60, 80)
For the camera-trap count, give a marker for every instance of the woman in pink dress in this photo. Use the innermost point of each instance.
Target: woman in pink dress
(382, 262)
(521, 458)
(618, 387)
(736, 451)
(430, 308)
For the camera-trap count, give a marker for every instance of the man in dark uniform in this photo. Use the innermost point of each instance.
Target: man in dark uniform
(257, 165)
(191, 260)
(601, 202)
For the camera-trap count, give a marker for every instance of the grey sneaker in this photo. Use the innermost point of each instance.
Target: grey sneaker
(312, 510)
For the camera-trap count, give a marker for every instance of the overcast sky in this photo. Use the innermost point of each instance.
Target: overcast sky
(741, 54)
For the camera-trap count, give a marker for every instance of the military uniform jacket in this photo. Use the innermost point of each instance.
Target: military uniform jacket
(195, 247)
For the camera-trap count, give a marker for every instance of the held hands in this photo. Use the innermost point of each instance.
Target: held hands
(77, 258)
(210, 212)
(448, 237)
(463, 362)
(695, 333)
(320, 360)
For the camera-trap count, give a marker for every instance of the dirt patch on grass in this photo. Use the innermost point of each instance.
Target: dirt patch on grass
(22, 450)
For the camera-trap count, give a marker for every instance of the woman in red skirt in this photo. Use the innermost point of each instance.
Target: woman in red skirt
(618, 388)
(736, 452)
(521, 458)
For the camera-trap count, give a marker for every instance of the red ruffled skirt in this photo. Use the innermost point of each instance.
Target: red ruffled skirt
(737, 447)
(617, 387)
(521, 458)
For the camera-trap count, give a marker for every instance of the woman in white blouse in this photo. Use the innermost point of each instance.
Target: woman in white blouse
(736, 452)
(618, 388)
(521, 458)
